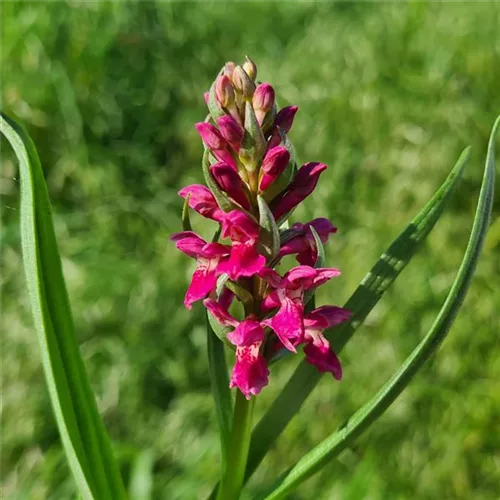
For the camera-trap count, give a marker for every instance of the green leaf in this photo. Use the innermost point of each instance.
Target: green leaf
(269, 235)
(365, 297)
(84, 438)
(220, 389)
(222, 200)
(363, 418)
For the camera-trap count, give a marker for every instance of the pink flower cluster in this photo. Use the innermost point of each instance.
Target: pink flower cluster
(249, 166)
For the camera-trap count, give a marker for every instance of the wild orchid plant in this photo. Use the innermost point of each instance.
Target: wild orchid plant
(255, 306)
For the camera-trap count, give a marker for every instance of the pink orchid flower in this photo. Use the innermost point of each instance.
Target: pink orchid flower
(288, 322)
(209, 258)
(250, 373)
(303, 243)
(244, 233)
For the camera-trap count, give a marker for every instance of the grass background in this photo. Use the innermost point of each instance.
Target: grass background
(389, 95)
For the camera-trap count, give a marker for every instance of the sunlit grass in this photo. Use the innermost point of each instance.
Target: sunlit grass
(388, 94)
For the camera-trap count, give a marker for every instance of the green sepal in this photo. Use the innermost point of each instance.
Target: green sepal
(186, 221)
(269, 240)
(320, 258)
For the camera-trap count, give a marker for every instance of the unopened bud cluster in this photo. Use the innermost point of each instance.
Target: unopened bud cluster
(253, 186)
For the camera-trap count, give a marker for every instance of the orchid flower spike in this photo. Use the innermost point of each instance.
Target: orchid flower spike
(253, 186)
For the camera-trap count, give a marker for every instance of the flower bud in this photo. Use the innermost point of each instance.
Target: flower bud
(273, 165)
(301, 187)
(284, 119)
(250, 67)
(229, 68)
(224, 91)
(206, 96)
(254, 143)
(263, 100)
(243, 83)
(229, 181)
(212, 138)
(231, 130)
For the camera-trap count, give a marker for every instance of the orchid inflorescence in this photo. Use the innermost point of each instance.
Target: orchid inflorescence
(254, 185)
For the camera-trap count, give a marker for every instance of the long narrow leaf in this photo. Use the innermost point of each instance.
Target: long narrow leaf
(85, 441)
(365, 297)
(220, 390)
(363, 418)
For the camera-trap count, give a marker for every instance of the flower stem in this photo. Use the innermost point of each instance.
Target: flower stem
(232, 480)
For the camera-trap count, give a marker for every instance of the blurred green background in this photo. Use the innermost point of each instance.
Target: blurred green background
(389, 95)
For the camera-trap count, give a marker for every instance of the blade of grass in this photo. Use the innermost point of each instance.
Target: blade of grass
(84, 438)
(364, 417)
(363, 300)
(220, 389)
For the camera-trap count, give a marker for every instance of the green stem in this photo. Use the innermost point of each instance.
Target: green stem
(232, 480)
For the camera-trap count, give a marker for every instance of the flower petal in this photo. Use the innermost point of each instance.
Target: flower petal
(250, 373)
(288, 322)
(203, 281)
(189, 243)
(319, 354)
(203, 201)
(239, 226)
(229, 181)
(248, 332)
(243, 261)
(220, 313)
(301, 187)
(326, 317)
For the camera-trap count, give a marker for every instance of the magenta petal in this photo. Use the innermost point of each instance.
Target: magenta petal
(203, 281)
(284, 118)
(271, 276)
(220, 313)
(250, 373)
(325, 274)
(211, 250)
(229, 181)
(319, 354)
(211, 136)
(243, 261)
(231, 130)
(239, 226)
(288, 322)
(322, 226)
(302, 186)
(203, 201)
(273, 165)
(270, 302)
(326, 317)
(189, 243)
(248, 332)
